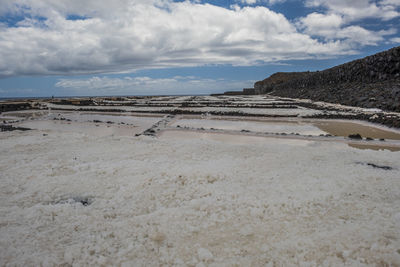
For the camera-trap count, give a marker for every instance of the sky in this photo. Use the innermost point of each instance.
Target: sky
(166, 47)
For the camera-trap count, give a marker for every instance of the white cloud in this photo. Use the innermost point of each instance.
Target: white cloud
(333, 27)
(249, 2)
(395, 40)
(145, 85)
(391, 2)
(359, 9)
(253, 2)
(126, 35)
(321, 24)
(339, 21)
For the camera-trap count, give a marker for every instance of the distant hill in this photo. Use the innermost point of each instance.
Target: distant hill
(371, 82)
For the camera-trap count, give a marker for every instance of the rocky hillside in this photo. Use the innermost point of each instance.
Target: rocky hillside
(268, 84)
(371, 82)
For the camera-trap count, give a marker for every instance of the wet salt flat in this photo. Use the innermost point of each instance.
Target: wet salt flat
(238, 139)
(256, 126)
(130, 124)
(303, 127)
(229, 138)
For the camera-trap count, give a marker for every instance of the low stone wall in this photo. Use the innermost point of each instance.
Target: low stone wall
(4, 107)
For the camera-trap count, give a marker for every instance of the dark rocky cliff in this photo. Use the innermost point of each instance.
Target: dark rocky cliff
(371, 82)
(268, 84)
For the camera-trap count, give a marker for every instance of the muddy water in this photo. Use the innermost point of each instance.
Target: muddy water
(344, 128)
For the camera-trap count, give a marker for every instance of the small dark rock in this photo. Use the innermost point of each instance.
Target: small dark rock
(355, 136)
(379, 167)
(383, 167)
(369, 139)
(85, 201)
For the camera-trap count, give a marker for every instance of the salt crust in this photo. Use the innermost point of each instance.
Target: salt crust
(194, 202)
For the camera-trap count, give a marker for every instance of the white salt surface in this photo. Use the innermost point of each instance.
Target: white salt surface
(124, 108)
(115, 118)
(84, 123)
(267, 111)
(256, 126)
(188, 202)
(93, 129)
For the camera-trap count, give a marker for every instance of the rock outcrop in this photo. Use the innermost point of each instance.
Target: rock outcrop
(268, 84)
(371, 82)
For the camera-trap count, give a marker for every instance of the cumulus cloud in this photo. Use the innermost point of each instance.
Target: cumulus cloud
(359, 9)
(339, 21)
(126, 35)
(333, 27)
(395, 3)
(146, 85)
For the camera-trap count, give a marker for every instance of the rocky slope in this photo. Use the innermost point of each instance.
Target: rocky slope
(371, 82)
